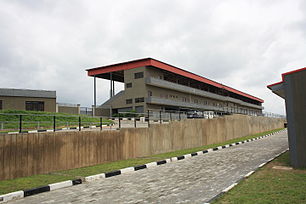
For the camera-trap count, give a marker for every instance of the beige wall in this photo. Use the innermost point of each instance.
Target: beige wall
(68, 109)
(18, 103)
(29, 154)
(138, 89)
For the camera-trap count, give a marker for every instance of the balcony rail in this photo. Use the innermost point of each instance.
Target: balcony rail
(178, 87)
(197, 106)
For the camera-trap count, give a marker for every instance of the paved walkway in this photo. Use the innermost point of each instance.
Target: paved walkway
(192, 180)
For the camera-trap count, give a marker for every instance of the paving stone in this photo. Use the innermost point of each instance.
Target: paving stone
(192, 180)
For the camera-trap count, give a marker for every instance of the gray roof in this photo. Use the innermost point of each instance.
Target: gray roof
(27, 93)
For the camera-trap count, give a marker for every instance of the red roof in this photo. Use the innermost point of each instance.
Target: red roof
(286, 73)
(152, 62)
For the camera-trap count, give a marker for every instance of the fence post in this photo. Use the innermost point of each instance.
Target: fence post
(160, 117)
(148, 118)
(20, 123)
(79, 123)
(119, 121)
(54, 123)
(100, 123)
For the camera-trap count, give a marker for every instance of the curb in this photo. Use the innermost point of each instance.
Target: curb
(50, 187)
(245, 176)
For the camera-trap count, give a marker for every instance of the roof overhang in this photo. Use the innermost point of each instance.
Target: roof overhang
(104, 71)
(278, 88)
(27, 93)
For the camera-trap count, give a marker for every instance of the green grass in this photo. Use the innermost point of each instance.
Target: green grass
(43, 120)
(7, 186)
(270, 185)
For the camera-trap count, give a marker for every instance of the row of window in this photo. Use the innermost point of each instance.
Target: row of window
(187, 100)
(35, 106)
(30, 105)
(137, 100)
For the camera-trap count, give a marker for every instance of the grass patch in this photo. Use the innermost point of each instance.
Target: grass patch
(7, 186)
(29, 182)
(270, 185)
(32, 120)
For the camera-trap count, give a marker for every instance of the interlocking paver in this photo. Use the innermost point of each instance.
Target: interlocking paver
(193, 180)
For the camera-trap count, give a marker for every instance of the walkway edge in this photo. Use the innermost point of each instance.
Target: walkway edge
(244, 177)
(63, 184)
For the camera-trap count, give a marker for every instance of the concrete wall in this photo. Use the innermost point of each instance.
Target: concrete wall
(69, 109)
(19, 103)
(295, 96)
(137, 90)
(29, 154)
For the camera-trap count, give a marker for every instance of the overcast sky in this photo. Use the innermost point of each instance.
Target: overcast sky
(244, 44)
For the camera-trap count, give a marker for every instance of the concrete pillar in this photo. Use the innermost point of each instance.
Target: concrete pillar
(93, 110)
(295, 97)
(95, 91)
(79, 108)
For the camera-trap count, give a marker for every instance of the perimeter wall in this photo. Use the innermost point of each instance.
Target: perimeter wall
(29, 154)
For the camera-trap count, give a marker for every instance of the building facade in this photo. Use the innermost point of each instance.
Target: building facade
(292, 89)
(150, 84)
(25, 99)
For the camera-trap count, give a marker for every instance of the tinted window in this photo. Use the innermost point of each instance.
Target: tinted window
(0, 105)
(129, 101)
(138, 75)
(35, 106)
(128, 85)
(139, 100)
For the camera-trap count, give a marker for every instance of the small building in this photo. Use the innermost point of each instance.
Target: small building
(292, 89)
(25, 99)
(154, 85)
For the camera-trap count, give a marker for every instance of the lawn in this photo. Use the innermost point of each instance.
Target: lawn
(7, 186)
(33, 120)
(270, 185)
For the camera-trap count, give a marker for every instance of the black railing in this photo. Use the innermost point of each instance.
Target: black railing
(10, 122)
(21, 123)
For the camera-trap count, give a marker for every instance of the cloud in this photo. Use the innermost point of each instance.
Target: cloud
(243, 44)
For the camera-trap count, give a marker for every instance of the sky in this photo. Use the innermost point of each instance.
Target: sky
(245, 44)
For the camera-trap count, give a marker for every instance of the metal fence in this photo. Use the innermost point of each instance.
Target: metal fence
(24, 123)
(10, 122)
(272, 115)
(86, 111)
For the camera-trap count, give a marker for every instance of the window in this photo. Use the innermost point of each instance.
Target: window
(139, 100)
(129, 101)
(128, 85)
(1, 105)
(138, 75)
(35, 106)
(149, 93)
(139, 109)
